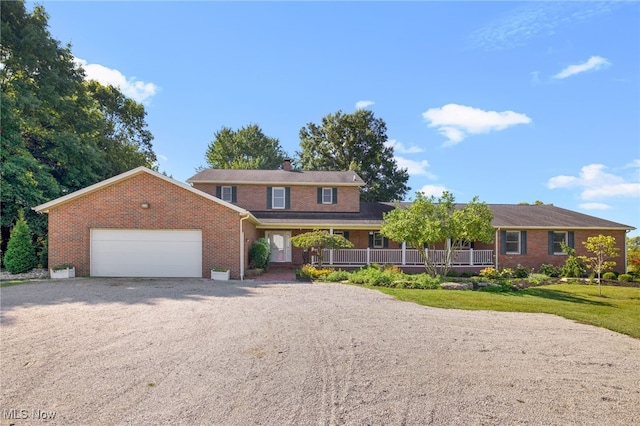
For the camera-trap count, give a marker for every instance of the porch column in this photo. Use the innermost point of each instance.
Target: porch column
(470, 257)
(368, 255)
(331, 251)
(404, 253)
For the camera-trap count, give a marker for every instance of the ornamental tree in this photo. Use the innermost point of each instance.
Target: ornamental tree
(428, 221)
(320, 240)
(604, 248)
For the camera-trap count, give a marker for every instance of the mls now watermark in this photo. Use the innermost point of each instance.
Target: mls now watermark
(24, 414)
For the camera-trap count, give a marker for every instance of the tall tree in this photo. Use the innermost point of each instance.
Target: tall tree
(428, 221)
(355, 142)
(57, 135)
(245, 148)
(125, 139)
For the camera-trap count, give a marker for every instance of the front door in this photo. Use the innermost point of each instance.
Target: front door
(280, 243)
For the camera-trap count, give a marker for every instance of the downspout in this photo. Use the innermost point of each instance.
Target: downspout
(497, 246)
(242, 247)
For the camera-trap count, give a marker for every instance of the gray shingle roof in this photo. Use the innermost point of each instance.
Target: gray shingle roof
(544, 216)
(504, 216)
(277, 177)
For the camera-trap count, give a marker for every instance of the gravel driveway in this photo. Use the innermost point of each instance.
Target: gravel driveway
(159, 351)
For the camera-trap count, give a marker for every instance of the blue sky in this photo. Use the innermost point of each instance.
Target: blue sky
(510, 101)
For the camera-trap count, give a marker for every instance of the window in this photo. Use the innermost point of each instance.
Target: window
(378, 240)
(278, 198)
(513, 242)
(559, 238)
(327, 195)
(226, 193)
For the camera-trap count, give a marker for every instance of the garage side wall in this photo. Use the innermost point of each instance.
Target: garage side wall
(118, 206)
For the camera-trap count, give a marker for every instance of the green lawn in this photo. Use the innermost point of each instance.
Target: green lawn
(618, 309)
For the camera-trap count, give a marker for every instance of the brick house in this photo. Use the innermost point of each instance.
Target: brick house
(142, 223)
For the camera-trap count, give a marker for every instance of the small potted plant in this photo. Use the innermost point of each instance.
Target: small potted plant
(220, 274)
(64, 270)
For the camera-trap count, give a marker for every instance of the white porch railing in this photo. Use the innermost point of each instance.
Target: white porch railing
(403, 257)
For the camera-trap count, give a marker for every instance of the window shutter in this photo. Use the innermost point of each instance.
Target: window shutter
(370, 240)
(287, 198)
(346, 234)
(234, 194)
(550, 242)
(523, 242)
(385, 242)
(503, 242)
(571, 239)
(319, 195)
(335, 196)
(269, 195)
(219, 191)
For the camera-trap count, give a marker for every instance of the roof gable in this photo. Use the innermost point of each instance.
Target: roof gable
(44, 208)
(277, 177)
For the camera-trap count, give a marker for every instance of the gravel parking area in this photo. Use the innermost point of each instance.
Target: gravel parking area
(160, 351)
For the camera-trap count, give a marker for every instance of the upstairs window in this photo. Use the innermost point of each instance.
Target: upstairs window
(226, 193)
(278, 198)
(327, 195)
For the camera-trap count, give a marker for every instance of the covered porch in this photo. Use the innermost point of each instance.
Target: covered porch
(403, 257)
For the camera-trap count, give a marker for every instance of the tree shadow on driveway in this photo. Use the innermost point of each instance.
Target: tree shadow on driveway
(129, 291)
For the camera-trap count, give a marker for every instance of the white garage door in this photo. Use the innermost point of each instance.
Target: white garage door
(146, 253)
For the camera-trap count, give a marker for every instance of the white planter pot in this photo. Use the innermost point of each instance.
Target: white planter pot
(63, 273)
(220, 276)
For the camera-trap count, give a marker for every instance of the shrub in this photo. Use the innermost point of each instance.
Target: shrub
(21, 255)
(609, 276)
(452, 273)
(538, 278)
(310, 271)
(337, 276)
(424, 281)
(522, 272)
(259, 254)
(574, 266)
(506, 273)
(490, 273)
(625, 278)
(549, 270)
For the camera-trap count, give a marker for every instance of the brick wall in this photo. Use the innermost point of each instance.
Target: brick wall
(303, 198)
(171, 207)
(538, 249)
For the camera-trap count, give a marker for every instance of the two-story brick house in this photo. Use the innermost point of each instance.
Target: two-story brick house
(142, 223)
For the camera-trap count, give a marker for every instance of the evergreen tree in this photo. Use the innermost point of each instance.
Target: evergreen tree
(21, 255)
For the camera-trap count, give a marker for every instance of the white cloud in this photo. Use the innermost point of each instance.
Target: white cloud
(596, 183)
(594, 63)
(415, 167)
(363, 104)
(133, 88)
(399, 147)
(594, 206)
(435, 190)
(456, 122)
(162, 157)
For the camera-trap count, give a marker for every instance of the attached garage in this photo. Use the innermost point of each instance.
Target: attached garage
(146, 253)
(144, 224)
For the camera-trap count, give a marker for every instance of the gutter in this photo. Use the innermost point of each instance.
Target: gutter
(497, 246)
(242, 218)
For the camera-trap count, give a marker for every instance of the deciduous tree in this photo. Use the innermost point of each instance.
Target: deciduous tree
(320, 240)
(603, 248)
(245, 148)
(355, 142)
(428, 221)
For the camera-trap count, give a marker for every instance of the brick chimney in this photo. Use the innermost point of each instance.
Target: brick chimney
(286, 165)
